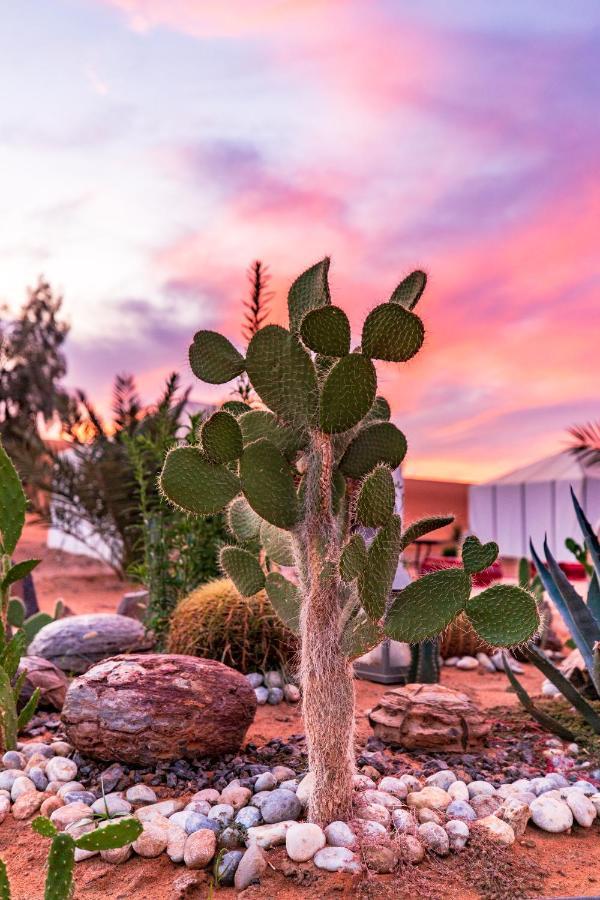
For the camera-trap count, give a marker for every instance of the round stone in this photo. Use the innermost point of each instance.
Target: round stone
(371, 830)
(430, 796)
(79, 797)
(61, 748)
(67, 787)
(13, 760)
(303, 840)
(380, 858)
(50, 804)
(200, 847)
(29, 803)
(485, 806)
(383, 799)
(467, 663)
(480, 789)
(179, 819)
(254, 679)
(140, 793)
(236, 796)
(198, 822)
(4, 807)
(73, 812)
(339, 834)
(209, 795)
(111, 805)
(282, 773)
(280, 805)
(550, 814)
(222, 813)
(262, 695)
(152, 841)
(460, 809)
(412, 783)
(61, 769)
(291, 693)
(336, 858)
(584, 811)
(429, 815)
(249, 816)
(393, 786)
(500, 832)
(38, 777)
(267, 836)
(28, 750)
(410, 849)
(275, 696)
(585, 787)
(434, 838)
(250, 868)
(199, 806)
(458, 790)
(375, 812)
(265, 782)
(273, 679)
(441, 779)
(21, 785)
(228, 866)
(8, 778)
(404, 821)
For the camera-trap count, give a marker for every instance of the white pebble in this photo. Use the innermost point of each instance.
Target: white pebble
(551, 814)
(303, 840)
(458, 790)
(434, 837)
(458, 833)
(61, 769)
(335, 859)
(584, 811)
(481, 789)
(467, 663)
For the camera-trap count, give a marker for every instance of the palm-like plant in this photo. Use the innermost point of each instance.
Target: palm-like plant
(585, 442)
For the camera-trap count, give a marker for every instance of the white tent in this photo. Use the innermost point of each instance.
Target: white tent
(535, 501)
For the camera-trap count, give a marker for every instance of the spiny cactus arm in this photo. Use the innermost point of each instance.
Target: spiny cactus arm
(347, 394)
(379, 412)
(244, 570)
(375, 581)
(503, 615)
(4, 882)
(18, 571)
(42, 825)
(309, 291)
(285, 600)
(376, 499)
(15, 614)
(353, 559)
(524, 572)
(214, 359)
(477, 556)
(242, 521)
(425, 607)
(35, 623)
(420, 527)
(409, 291)
(378, 443)
(29, 709)
(268, 484)
(112, 836)
(260, 423)
(577, 616)
(195, 484)
(360, 635)
(12, 653)
(545, 720)
(12, 505)
(283, 375)
(8, 712)
(61, 861)
(326, 331)
(568, 690)
(425, 662)
(221, 438)
(277, 544)
(591, 541)
(392, 333)
(236, 407)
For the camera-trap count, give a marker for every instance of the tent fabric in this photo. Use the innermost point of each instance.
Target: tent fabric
(533, 502)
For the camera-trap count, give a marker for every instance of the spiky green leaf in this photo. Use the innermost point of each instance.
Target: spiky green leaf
(16, 612)
(477, 556)
(44, 826)
(309, 291)
(4, 882)
(378, 443)
(360, 635)
(8, 712)
(285, 600)
(19, 571)
(61, 860)
(353, 559)
(242, 521)
(12, 504)
(380, 411)
(409, 291)
(28, 711)
(420, 527)
(326, 331)
(244, 570)
(268, 484)
(377, 497)
(236, 407)
(426, 606)
(195, 484)
(376, 580)
(214, 359)
(503, 615)
(260, 423)
(35, 623)
(392, 333)
(348, 393)
(277, 544)
(112, 836)
(221, 438)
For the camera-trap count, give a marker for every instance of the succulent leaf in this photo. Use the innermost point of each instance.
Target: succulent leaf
(338, 491)
(309, 291)
(4, 882)
(61, 860)
(409, 291)
(221, 438)
(348, 393)
(35, 623)
(392, 333)
(376, 580)
(19, 570)
(360, 635)
(426, 606)
(260, 423)
(242, 521)
(8, 713)
(277, 544)
(283, 375)
(214, 359)
(353, 559)
(112, 836)
(326, 331)
(504, 615)
(420, 527)
(285, 600)
(15, 613)
(28, 711)
(477, 556)
(244, 570)
(195, 484)
(378, 443)
(377, 497)
(236, 407)
(380, 411)
(268, 484)
(12, 504)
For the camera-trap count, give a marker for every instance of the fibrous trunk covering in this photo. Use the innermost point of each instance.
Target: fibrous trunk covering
(325, 672)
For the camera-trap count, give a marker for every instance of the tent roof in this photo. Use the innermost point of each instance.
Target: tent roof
(563, 466)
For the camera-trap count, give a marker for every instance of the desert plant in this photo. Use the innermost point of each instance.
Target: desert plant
(582, 618)
(302, 475)
(585, 442)
(425, 662)
(61, 858)
(12, 520)
(216, 622)
(580, 554)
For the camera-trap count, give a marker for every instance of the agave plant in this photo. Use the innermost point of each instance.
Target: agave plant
(582, 617)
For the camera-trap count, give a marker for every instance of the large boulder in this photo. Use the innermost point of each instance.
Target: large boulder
(143, 708)
(78, 642)
(42, 674)
(429, 717)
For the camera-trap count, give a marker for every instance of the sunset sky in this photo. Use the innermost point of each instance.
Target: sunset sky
(151, 149)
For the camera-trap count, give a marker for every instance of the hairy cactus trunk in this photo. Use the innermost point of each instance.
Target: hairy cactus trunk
(325, 672)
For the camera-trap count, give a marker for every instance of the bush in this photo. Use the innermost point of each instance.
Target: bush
(216, 622)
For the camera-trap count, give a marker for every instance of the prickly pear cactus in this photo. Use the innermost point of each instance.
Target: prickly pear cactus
(303, 476)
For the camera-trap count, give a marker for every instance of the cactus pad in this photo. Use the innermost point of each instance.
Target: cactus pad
(378, 443)
(242, 521)
(326, 331)
(244, 570)
(309, 291)
(360, 635)
(421, 527)
(426, 606)
(268, 484)
(392, 333)
(112, 836)
(285, 600)
(12, 504)
(504, 615)
(277, 544)
(221, 438)
(260, 423)
(283, 375)
(409, 291)
(61, 859)
(377, 497)
(348, 393)
(42, 825)
(214, 359)
(477, 556)
(236, 407)
(4, 882)
(195, 484)
(353, 558)
(380, 411)
(375, 582)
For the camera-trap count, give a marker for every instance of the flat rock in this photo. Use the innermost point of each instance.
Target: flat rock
(339, 834)
(516, 814)
(335, 859)
(75, 643)
(430, 796)
(267, 836)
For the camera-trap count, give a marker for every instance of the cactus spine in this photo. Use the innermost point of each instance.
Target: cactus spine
(315, 464)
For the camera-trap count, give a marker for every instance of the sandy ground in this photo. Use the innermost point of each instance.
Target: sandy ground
(571, 864)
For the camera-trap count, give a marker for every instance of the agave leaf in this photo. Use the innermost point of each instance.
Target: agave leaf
(568, 690)
(28, 710)
(593, 598)
(591, 541)
(543, 718)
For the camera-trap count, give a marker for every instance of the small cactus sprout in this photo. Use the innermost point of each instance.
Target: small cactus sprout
(305, 478)
(4, 883)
